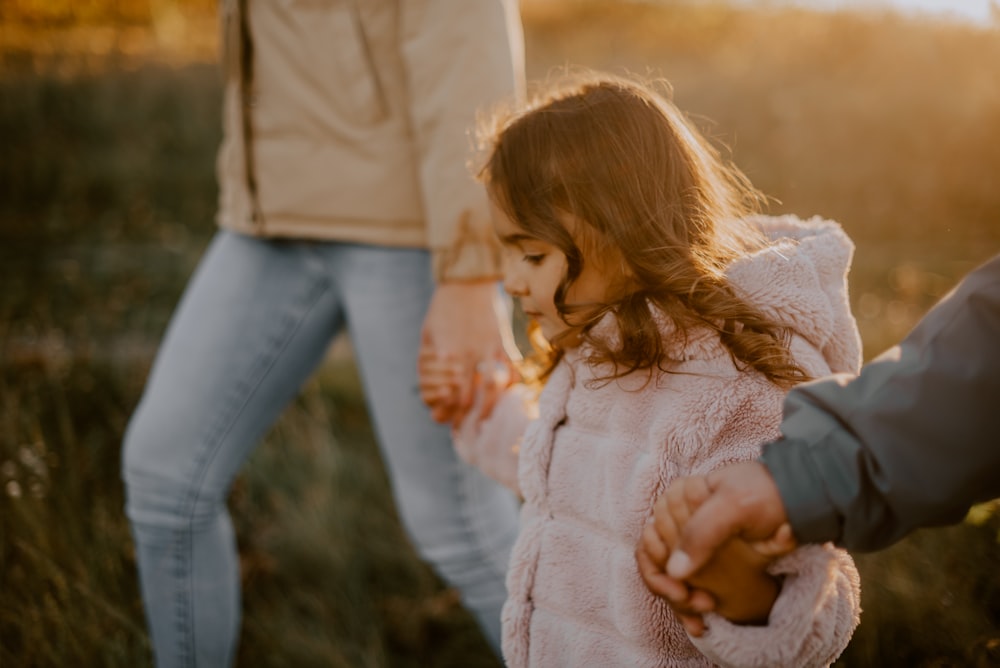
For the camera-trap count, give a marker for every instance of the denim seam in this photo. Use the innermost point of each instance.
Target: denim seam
(244, 390)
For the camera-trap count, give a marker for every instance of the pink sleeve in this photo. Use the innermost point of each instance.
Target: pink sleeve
(492, 445)
(810, 624)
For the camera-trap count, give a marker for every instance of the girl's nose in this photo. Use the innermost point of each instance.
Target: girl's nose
(512, 282)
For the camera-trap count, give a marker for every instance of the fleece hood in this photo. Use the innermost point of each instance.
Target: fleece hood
(800, 280)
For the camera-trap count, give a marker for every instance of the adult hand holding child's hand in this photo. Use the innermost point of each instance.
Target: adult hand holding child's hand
(729, 578)
(466, 336)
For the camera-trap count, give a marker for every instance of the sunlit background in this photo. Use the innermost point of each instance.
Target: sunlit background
(882, 115)
(976, 12)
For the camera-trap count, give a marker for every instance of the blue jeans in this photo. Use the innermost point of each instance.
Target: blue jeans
(255, 321)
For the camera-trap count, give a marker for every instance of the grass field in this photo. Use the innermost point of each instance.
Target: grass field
(108, 127)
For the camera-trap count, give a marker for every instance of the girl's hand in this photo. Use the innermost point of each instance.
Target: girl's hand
(442, 377)
(467, 322)
(688, 604)
(491, 379)
(441, 380)
(659, 538)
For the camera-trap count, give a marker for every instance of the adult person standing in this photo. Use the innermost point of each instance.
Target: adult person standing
(345, 203)
(911, 442)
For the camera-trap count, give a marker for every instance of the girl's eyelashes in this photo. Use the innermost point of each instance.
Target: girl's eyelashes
(534, 258)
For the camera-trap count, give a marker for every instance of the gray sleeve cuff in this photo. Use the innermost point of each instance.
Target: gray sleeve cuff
(810, 511)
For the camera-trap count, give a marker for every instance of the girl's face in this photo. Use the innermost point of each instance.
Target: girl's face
(533, 270)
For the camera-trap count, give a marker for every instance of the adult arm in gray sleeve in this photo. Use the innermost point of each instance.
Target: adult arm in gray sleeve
(913, 441)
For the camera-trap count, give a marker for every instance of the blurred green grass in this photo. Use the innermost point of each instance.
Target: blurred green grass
(107, 195)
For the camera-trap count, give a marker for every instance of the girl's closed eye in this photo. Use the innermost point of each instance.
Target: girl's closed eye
(534, 258)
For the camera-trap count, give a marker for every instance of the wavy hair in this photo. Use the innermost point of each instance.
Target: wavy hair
(610, 171)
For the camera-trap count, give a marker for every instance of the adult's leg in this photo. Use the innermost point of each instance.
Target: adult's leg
(254, 322)
(463, 523)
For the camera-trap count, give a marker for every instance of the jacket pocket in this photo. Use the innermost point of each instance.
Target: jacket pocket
(341, 56)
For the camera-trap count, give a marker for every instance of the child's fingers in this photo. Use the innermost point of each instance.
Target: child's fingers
(696, 491)
(672, 591)
(488, 382)
(678, 503)
(682, 498)
(427, 354)
(464, 377)
(432, 364)
(493, 378)
(700, 601)
(664, 523)
(658, 582)
(688, 604)
(489, 401)
(437, 373)
(779, 544)
(676, 506)
(652, 544)
(437, 395)
(693, 624)
(441, 414)
(437, 383)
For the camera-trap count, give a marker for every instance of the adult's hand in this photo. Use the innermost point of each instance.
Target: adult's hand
(467, 321)
(710, 583)
(743, 501)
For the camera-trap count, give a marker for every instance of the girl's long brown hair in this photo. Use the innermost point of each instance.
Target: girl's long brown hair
(610, 171)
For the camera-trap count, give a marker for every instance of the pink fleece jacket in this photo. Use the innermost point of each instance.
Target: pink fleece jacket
(592, 462)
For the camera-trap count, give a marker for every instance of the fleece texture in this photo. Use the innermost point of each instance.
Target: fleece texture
(591, 464)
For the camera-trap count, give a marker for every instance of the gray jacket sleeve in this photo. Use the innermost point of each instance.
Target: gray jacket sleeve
(913, 441)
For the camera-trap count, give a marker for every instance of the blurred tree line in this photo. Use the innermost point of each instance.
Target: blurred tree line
(97, 12)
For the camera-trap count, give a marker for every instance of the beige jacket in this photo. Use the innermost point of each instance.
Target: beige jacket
(360, 114)
(597, 455)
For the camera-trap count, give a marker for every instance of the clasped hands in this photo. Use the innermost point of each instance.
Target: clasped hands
(454, 388)
(726, 572)
(467, 350)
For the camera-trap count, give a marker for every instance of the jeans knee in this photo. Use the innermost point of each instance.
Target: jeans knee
(160, 493)
(142, 446)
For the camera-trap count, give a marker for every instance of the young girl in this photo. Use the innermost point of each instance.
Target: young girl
(674, 321)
